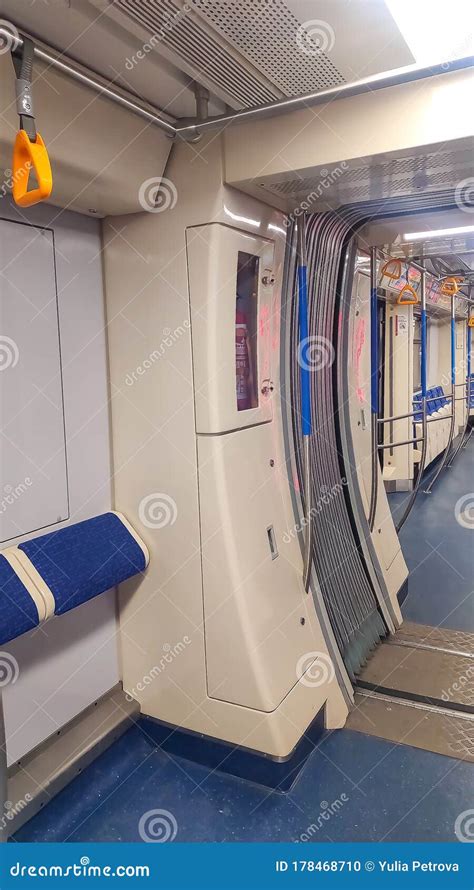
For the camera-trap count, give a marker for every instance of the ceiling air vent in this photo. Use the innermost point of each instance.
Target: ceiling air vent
(187, 38)
(274, 40)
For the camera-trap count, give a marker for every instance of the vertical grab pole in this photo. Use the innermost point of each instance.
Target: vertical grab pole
(305, 384)
(374, 384)
(424, 413)
(453, 396)
(464, 435)
(469, 346)
(469, 386)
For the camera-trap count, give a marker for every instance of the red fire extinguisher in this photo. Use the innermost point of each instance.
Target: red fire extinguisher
(242, 361)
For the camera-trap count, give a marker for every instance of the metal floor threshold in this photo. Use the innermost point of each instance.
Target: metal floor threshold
(442, 638)
(430, 666)
(420, 725)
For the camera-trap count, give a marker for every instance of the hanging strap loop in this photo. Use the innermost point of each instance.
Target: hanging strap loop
(392, 269)
(30, 157)
(23, 63)
(450, 286)
(407, 296)
(29, 153)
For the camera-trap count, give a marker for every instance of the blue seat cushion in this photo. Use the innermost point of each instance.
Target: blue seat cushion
(441, 400)
(435, 404)
(17, 608)
(445, 399)
(83, 560)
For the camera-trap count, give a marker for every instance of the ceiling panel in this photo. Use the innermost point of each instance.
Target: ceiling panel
(187, 40)
(271, 37)
(391, 233)
(370, 178)
(247, 52)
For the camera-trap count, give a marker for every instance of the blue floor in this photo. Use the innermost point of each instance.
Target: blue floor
(371, 789)
(353, 787)
(439, 551)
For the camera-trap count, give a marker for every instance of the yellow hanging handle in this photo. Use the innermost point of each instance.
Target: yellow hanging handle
(30, 156)
(392, 269)
(407, 296)
(29, 152)
(450, 286)
(470, 322)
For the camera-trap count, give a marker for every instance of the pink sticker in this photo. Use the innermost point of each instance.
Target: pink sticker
(358, 346)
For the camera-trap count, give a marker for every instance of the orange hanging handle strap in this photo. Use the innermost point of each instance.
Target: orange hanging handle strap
(29, 153)
(470, 322)
(407, 296)
(30, 157)
(450, 286)
(392, 269)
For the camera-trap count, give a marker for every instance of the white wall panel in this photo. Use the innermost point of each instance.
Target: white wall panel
(72, 660)
(33, 492)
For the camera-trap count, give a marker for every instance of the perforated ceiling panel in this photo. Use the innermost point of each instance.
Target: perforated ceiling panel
(270, 35)
(346, 184)
(177, 27)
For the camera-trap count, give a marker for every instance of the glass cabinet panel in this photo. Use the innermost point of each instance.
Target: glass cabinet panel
(246, 315)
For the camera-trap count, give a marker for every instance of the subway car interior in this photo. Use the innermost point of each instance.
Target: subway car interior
(237, 403)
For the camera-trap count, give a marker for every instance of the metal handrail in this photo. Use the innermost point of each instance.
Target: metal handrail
(396, 417)
(193, 131)
(397, 444)
(414, 413)
(435, 419)
(436, 398)
(300, 103)
(66, 66)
